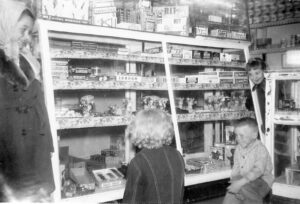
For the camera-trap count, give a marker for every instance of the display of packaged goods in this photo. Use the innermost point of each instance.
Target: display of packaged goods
(240, 74)
(226, 81)
(219, 33)
(192, 79)
(238, 35)
(201, 30)
(241, 81)
(82, 178)
(197, 54)
(225, 57)
(65, 10)
(106, 20)
(107, 178)
(187, 54)
(128, 77)
(226, 74)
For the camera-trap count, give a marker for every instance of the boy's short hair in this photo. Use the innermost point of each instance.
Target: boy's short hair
(251, 122)
(256, 63)
(151, 129)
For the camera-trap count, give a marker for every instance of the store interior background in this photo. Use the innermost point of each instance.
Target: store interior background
(278, 33)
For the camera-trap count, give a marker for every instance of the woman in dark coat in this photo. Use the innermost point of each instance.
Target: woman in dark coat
(156, 173)
(25, 137)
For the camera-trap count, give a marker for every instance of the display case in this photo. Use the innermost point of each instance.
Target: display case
(283, 130)
(96, 78)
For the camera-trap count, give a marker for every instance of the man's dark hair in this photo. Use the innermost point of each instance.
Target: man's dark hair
(256, 63)
(251, 122)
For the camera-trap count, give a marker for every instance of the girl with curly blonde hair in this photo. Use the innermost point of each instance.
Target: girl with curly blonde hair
(156, 173)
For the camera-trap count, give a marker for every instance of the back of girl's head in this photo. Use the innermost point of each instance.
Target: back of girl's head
(151, 129)
(256, 63)
(250, 122)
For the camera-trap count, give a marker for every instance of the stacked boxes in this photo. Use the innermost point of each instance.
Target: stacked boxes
(172, 19)
(65, 10)
(104, 13)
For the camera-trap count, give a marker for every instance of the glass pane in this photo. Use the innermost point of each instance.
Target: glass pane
(210, 88)
(287, 154)
(287, 95)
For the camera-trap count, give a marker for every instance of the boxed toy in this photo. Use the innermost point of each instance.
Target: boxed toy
(107, 178)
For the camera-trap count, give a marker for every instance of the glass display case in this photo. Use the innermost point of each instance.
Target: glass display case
(283, 130)
(94, 85)
(96, 78)
(210, 88)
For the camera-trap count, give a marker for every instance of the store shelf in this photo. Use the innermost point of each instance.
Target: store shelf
(275, 23)
(70, 29)
(193, 179)
(196, 87)
(121, 85)
(87, 54)
(202, 62)
(287, 118)
(106, 85)
(98, 197)
(87, 122)
(273, 50)
(214, 116)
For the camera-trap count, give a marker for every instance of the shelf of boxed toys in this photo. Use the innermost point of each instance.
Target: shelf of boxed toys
(100, 196)
(90, 121)
(87, 122)
(121, 85)
(75, 31)
(116, 193)
(287, 117)
(273, 50)
(275, 23)
(86, 54)
(214, 116)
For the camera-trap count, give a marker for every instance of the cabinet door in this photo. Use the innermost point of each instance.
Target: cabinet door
(210, 90)
(283, 131)
(94, 87)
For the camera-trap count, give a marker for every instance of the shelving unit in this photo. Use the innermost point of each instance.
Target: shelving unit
(275, 23)
(283, 131)
(96, 128)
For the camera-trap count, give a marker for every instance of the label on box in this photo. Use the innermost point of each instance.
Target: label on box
(226, 81)
(187, 54)
(225, 74)
(225, 57)
(201, 30)
(217, 19)
(197, 54)
(241, 81)
(238, 35)
(219, 33)
(240, 74)
(193, 79)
